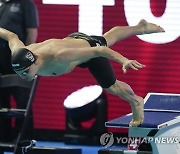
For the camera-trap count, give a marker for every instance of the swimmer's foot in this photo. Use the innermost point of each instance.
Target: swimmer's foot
(138, 112)
(148, 28)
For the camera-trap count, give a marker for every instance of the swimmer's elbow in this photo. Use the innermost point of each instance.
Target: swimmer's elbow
(102, 51)
(12, 36)
(99, 50)
(7, 35)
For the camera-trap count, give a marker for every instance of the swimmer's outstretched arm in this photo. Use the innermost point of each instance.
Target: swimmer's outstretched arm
(84, 54)
(12, 38)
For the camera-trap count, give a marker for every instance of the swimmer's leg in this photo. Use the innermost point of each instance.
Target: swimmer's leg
(121, 32)
(125, 92)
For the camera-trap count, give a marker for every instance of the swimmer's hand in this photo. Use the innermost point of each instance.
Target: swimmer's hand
(133, 64)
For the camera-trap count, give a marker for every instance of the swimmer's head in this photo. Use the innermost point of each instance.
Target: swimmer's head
(22, 59)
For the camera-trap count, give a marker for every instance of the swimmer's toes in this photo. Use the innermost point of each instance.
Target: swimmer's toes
(135, 123)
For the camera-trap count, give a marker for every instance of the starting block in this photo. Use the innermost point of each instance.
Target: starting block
(161, 127)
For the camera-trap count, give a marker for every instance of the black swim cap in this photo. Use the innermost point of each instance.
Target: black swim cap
(22, 59)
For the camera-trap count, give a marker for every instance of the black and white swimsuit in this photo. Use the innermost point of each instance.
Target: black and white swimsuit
(99, 67)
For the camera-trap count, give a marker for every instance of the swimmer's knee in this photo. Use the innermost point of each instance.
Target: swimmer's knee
(113, 88)
(120, 88)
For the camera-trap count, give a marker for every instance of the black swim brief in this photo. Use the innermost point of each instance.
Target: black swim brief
(99, 67)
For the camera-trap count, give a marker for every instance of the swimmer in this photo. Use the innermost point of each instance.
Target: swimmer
(56, 57)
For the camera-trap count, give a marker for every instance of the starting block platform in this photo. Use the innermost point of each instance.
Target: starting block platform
(161, 126)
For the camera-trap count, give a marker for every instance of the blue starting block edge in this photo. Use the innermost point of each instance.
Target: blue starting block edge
(162, 101)
(153, 119)
(160, 110)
